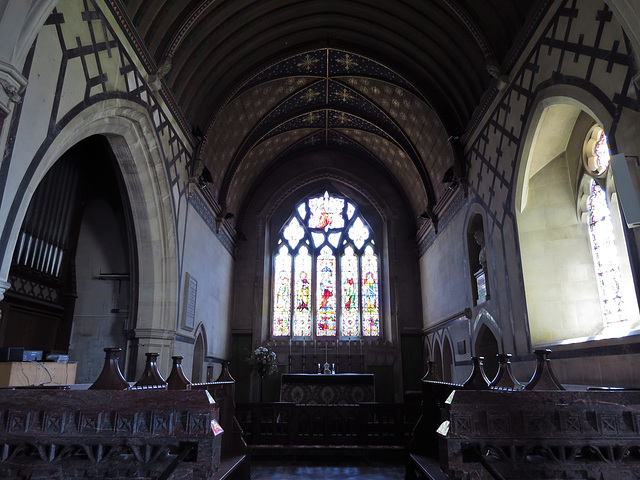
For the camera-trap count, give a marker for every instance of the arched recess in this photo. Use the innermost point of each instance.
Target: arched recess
(476, 241)
(447, 360)
(487, 341)
(199, 349)
(437, 357)
(557, 263)
(486, 345)
(134, 143)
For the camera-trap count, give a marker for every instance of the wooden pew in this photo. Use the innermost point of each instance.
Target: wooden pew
(542, 435)
(234, 452)
(144, 434)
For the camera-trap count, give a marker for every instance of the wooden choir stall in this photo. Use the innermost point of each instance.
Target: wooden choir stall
(156, 429)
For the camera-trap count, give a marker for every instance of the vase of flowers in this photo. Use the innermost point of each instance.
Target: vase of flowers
(263, 359)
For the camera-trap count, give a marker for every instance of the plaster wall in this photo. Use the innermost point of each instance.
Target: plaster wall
(208, 262)
(445, 282)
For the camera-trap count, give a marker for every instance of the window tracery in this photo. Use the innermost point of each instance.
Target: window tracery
(326, 272)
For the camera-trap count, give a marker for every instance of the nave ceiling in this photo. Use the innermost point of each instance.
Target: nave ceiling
(270, 82)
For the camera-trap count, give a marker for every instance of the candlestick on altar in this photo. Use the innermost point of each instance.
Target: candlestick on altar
(349, 346)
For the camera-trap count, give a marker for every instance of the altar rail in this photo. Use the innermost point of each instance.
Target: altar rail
(291, 426)
(72, 434)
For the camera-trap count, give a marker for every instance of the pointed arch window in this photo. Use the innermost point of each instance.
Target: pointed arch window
(605, 258)
(614, 303)
(326, 272)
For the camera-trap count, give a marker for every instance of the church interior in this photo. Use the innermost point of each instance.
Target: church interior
(343, 203)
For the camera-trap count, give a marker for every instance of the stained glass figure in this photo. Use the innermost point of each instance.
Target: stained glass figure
(370, 309)
(358, 233)
(326, 212)
(325, 293)
(293, 232)
(282, 293)
(604, 252)
(302, 312)
(350, 309)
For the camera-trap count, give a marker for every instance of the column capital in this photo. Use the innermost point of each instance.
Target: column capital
(4, 286)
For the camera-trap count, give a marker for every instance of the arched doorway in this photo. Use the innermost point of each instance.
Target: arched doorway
(198, 360)
(70, 275)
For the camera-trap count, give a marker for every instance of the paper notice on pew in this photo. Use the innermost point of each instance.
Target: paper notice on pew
(216, 428)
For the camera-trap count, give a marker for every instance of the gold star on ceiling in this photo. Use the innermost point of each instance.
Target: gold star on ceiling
(310, 95)
(347, 62)
(308, 62)
(345, 95)
(311, 118)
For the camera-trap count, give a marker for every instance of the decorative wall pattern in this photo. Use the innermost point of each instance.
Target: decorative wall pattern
(583, 47)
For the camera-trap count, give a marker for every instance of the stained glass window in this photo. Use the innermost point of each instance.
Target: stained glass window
(350, 306)
(326, 272)
(605, 257)
(371, 312)
(302, 314)
(282, 293)
(596, 151)
(325, 296)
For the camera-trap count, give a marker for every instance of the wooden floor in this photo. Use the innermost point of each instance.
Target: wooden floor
(326, 469)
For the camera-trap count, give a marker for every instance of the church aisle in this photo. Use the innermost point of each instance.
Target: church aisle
(328, 469)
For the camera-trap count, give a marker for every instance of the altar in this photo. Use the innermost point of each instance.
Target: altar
(341, 388)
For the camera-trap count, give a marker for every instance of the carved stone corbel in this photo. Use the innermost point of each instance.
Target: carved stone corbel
(13, 84)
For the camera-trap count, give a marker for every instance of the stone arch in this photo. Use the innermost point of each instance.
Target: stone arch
(135, 145)
(555, 253)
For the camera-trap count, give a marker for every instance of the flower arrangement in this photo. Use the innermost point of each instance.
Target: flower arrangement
(263, 359)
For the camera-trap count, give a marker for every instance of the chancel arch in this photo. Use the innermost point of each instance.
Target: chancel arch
(555, 229)
(131, 140)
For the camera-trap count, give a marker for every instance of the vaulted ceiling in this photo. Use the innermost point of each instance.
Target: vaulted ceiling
(387, 81)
